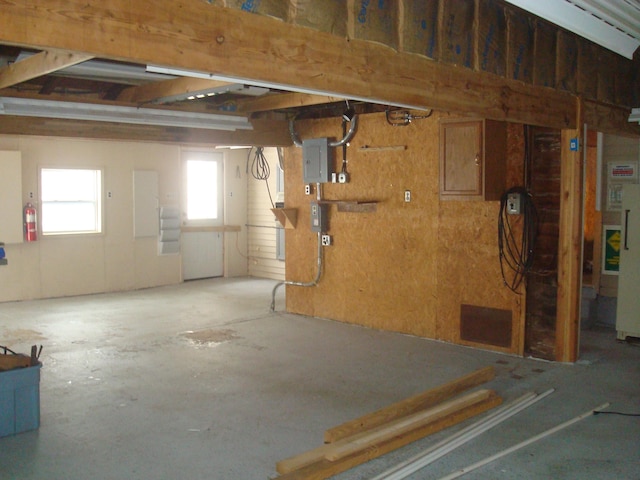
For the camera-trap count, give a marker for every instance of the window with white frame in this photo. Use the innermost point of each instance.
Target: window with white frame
(71, 201)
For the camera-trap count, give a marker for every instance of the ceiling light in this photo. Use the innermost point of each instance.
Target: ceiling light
(614, 25)
(270, 85)
(210, 92)
(119, 114)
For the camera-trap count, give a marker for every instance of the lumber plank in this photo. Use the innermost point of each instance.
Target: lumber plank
(410, 405)
(202, 38)
(37, 65)
(403, 425)
(325, 468)
(359, 441)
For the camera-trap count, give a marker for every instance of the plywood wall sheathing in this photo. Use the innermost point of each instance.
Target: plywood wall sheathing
(406, 267)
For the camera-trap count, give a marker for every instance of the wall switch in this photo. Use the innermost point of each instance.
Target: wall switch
(407, 196)
(326, 240)
(513, 204)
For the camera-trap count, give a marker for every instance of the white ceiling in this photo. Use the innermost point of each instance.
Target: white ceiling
(613, 24)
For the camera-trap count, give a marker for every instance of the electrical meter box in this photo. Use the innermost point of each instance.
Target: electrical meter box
(318, 217)
(316, 160)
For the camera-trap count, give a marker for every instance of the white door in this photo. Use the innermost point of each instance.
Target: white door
(628, 310)
(202, 244)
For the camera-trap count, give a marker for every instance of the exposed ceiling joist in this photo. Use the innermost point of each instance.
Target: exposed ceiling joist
(167, 89)
(38, 65)
(284, 101)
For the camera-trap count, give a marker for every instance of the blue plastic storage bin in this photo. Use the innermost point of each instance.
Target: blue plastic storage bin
(19, 400)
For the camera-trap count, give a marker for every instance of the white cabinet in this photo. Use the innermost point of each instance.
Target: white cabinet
(628, 310)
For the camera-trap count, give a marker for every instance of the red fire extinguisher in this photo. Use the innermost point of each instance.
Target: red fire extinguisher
(30, 228)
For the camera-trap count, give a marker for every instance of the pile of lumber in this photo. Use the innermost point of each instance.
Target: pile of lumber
(392, 427)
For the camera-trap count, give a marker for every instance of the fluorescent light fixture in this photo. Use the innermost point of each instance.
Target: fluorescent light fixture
(278, 86)
(105, 71)
(635, 115)
(119, 114)
(613, 24)
(210, 92)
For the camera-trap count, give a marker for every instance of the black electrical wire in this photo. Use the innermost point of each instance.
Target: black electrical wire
(516, 254)
(260, 169)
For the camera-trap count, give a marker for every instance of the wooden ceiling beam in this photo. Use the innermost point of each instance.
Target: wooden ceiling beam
(281, 101)
(37, 65)
(151, 92)
(225, 41)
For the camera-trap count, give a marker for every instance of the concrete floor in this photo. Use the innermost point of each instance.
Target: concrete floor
(128, 393)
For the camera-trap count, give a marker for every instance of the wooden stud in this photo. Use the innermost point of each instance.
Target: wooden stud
(410, 405)
(570, 248)
(404, 425)
(38, 65)
(324, 468)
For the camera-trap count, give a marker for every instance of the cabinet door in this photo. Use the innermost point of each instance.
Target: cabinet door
(461, 159)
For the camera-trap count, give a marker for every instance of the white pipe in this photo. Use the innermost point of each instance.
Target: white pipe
(546, 433)
(442, 448)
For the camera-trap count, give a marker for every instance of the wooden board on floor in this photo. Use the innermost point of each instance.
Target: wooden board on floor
(325, 468)
(410, 405)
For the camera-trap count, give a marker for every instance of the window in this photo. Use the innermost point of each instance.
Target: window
(71, 201)
(203, 188)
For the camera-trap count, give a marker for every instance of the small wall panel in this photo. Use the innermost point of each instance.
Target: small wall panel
(567, 66)
(492, 37)
(606, 75)
(272, 8)
(490, 326)
(325, 15)
(521, 35)
(546, 40)
(420, 33)
(457, 34)
(587, 84)
(376, 21)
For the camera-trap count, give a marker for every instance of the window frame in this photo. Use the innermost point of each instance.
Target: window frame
(209, 156)
(99, 203)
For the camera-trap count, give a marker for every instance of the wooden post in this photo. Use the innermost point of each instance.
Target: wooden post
(570, 244)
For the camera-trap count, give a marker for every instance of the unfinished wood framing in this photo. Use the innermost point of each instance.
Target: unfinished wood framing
(410, 405)
(569, 250)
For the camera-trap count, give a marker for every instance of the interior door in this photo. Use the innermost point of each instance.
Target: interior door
(628, 309)
(202, 242)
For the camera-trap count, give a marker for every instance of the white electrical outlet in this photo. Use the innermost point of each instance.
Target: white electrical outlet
(326, 240)
(307, 189)
(343, 177)
(407, 196)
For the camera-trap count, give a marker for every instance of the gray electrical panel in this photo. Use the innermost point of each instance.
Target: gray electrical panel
(316, 160)
(319, 222)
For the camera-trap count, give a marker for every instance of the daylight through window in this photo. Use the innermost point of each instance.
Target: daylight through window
(71, 201)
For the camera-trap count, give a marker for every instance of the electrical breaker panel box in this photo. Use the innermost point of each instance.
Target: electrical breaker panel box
(316, 160)
(318, 217)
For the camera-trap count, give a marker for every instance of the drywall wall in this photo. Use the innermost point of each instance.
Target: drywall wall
(114, 260)
(407, 267)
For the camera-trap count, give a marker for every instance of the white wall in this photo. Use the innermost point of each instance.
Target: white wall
(263, 261)
(114, 260)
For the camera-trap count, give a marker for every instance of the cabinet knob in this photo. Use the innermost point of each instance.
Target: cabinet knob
(477, 159)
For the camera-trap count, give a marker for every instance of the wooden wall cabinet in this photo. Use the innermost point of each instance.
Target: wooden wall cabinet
(472, 159)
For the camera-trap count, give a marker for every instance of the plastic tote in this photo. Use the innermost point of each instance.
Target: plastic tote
(19, 400)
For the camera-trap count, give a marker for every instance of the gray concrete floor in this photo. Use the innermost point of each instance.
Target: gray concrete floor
(127, 392)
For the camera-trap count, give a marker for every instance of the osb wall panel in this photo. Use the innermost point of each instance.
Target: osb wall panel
(406, 267)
